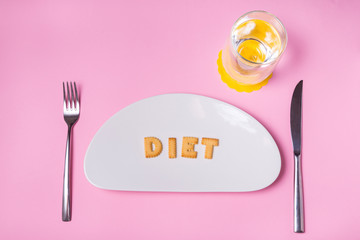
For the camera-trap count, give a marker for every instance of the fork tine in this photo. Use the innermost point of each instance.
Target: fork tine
(64, 96)
(72, 96)
(77, 98)
(68, 96)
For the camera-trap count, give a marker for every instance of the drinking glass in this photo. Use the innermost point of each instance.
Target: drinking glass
(257, 41)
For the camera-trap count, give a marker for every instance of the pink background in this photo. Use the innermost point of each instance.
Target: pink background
(122, 51)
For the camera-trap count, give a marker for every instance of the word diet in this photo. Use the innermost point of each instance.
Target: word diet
(153, 147)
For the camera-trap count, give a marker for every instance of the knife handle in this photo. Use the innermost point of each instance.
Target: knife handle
(298, 197)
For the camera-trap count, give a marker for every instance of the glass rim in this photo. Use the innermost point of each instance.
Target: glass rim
(282, 26)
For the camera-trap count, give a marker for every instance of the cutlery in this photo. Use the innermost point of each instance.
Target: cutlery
(295, 122)
(71, 115)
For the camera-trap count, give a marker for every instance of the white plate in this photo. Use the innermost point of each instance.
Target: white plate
(247, 158)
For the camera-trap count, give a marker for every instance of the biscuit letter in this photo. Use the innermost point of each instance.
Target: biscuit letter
(151, 151)
(188, 147)
(209, 143)
(172, 147)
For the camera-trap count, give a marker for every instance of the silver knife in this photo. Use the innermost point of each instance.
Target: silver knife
(295, 122)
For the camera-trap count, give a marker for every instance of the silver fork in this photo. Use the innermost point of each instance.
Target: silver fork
(71, 115)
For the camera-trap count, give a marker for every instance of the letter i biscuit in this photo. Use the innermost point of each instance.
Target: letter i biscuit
(172, 147)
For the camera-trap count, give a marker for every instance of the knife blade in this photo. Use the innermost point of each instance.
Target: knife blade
(295, 118)
(295, 123)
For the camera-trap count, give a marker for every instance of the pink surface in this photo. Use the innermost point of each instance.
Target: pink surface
(121, 52)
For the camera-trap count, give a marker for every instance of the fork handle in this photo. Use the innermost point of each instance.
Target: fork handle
(298, 197)
(66, 199)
